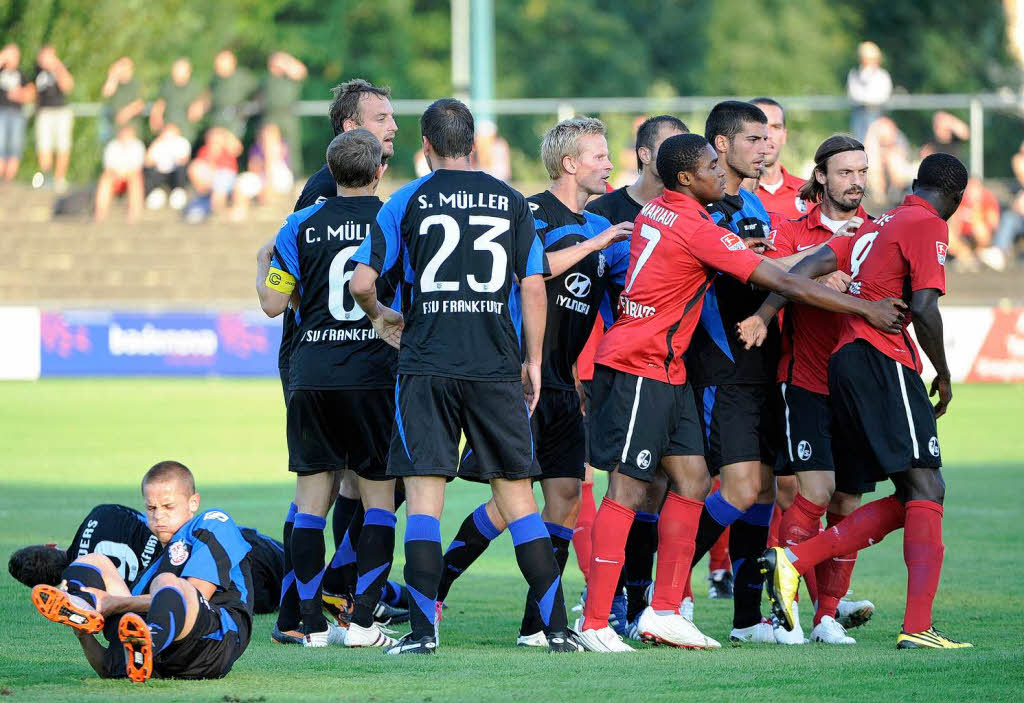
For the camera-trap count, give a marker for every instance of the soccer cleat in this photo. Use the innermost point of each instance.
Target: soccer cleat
(605, 640)
(617, 616)
(929, 639)
(761, 633)
(830, 632)
(339, 607)
(333, 635)
(674, 630)
(720, 584)
(578, 608)
(385, 614)
(563, 642)
(278, 636)
(854, 613)
(61, 607)
(537, 639)
(632, 632)
(372, 636)
(138, 647)
(794, 636)
(686, 608)
(407, 645)
(781, 582)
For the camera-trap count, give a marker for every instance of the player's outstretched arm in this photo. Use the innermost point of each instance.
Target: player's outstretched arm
(535, 304)
(924, 305)
(564, 259)
(847, 230)
(94, 652)
(387, 322)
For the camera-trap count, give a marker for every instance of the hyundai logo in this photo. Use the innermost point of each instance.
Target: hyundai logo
(578, 284)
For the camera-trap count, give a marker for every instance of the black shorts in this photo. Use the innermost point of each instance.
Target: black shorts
(330, 430)
(806, 421)
(431, 414)
(284, 373)
(559, 443)
(739, 422)
(216, 641)
(881, 416)
(588, 389)
(266, 560)
(636, 421)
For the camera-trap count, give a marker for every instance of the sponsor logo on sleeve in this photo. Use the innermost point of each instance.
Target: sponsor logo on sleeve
(733, 242)
(940, 252)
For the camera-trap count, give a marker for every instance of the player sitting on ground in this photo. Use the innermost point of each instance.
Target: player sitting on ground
(196, 598)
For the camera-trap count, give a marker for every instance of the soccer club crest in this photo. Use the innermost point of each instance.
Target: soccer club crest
(601, 264)
(178, 553)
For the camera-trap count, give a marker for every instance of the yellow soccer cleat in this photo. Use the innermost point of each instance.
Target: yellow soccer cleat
(339, 607)
(929, 639)
(781, 580)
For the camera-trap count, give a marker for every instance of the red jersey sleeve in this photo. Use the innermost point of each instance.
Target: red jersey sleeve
(841, 247)
(781, 237)
(720, 249)
(925, 250)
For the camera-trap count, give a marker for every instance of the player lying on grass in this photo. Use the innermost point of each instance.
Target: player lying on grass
(122, 534)
(190, 613)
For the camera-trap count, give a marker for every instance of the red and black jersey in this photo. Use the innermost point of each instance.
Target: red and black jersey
(902, 251)
(675, 251)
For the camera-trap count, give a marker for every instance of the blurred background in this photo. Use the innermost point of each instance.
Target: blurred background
(148, 149)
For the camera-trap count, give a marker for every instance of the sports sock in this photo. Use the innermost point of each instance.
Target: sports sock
(833, 576)
(560, 536)
(922, 551)
(373, 562)
(536, 559)
(355, 528)
(470, 542)
(718, 554)
(288, 610)
(79, 576)
(676, 530)
(394, 595)
(641, 545)
(166, 617)
(687, 585)
(608, 551)
(342, 516)
(308, 562)
(581, 538)
(748, 537)
(422, 571)
(867, 525)
(344, 560)
(798, 524)
(717, 515)
(774, 535)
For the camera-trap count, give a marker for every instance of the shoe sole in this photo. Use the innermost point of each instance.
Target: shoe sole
(55, 605)
(338, 607)
(138, 647)
(285, 638)
(768, 570)
(655, 640)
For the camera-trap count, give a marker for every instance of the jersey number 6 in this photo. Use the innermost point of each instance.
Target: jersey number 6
(337, 287)
(485, 242)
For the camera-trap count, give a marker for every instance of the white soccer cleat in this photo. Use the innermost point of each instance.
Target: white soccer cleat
(372, 636)
(761, 633)
(604, 640)
(794, 636)
(854, 613)
(537, 639)
(674, 630)
(830, 632)
(686, 608)
(332, 636)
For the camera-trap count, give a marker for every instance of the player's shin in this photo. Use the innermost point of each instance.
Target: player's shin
(582, 538)
(422, 572)
(288, 611)
(641, 546)
(677, 529)
(610, 531)
(715, 518)
(923, 552)
(166, 617)
(833, 578)
(536, 560)
(560, 537)
(748, 538)
(374, 556)
(474, 536)
(867, 525)
(308, 563)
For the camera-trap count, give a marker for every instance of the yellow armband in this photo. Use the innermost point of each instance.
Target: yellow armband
(281, 281)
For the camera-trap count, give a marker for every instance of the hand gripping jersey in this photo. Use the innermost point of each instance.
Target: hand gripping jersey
(902, 251)
(674, 253)
(716, 355)
(335, 345)
(210, 547)
(461, 239)
(120, 533)
(575, 296)
(809, 334)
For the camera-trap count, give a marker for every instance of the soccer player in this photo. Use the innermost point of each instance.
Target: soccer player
(463, 239)
(778, 189)
(340, 407)
(189, 615)
(645, 416)
(122, 534)
(880, 406)
(835, 192)
(587, 256)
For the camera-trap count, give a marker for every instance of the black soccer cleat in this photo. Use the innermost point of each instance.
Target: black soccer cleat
(720, 584)
(385, 614)
(407, 645)
(560, 642)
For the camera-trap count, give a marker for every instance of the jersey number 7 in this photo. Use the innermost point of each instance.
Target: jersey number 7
(653, 236)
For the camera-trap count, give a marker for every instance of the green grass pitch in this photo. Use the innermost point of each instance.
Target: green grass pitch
(69, 444)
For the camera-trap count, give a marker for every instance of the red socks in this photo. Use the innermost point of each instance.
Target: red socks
(833, 577)
(581, 539)
(798, 524)
(922, 550)
(608, 552)
(677, 529)
(718, 555)
(867, 525)
(774, 527)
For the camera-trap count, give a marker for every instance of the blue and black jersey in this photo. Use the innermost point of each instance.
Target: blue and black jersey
(461, 239)
(335, 345)
(210, 547)
(120, 533)
(716, 356)
(575, 297)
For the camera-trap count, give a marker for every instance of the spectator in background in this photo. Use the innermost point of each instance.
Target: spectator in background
(491, 152)
(13, 95)
(179, 102)
(889, 155)
(124, 99)
(1011, 223)
(950, 135)
(869, 87)
(166, 162)
(213, 173)
(230, 91)
(51, 84)
(281, 91)
(268, 174)
(972, 226)
(123, 158)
